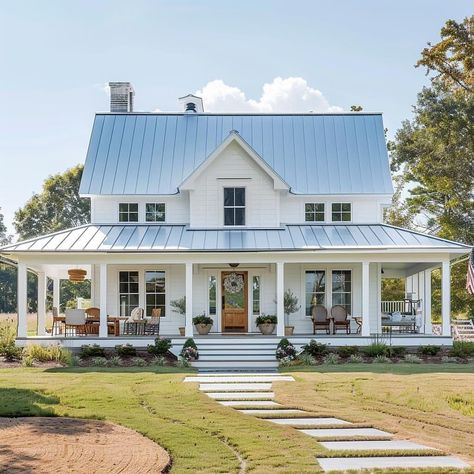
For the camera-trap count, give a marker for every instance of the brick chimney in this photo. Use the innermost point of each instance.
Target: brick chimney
(121, 96)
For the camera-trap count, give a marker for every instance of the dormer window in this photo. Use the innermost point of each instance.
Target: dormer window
(314, 212)
(155, 212)
(234, 206)
(341, 212)
(128, 212)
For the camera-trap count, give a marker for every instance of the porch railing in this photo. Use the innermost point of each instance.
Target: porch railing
(391, 306)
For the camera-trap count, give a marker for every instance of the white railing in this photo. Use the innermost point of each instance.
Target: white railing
(391, 306)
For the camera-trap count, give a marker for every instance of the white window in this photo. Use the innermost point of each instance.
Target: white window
(342, 289)
(314, 212)
(256, 295)
(128, 212)
(234, 206)
(341, 212)
(212, 295)
(155, 291)
(315, 290)
(155, 212)
(128, 292)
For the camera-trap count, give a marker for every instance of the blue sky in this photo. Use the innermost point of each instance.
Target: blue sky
(56, 56)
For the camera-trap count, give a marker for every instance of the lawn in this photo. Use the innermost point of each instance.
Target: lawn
(203, 436)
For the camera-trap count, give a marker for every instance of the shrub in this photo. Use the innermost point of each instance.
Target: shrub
(381, 359)
(355, 359)
(285, 361)
(307, 359)
(99, 362)
(75, 361)
(92, 350)
(397, 351)
(160, 348)
(126, 350)
(158, 361)
(7, 337)
(266, 319)
(114, 361)
(138, 362)
(462, 349)
(285, 349)
(190, 343)
(27, 361)
(182, 362)
(203, 319)
(55, 353)
(412, 359)
(316, 349)
(347, 351)
(189, 353)
(429, 350)
(449, 360)
(12, 352)
(376, 349)
(331, 359)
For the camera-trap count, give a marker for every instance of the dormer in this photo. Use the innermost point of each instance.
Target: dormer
(192, 104)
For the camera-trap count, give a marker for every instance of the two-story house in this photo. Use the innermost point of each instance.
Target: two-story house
(230, 211)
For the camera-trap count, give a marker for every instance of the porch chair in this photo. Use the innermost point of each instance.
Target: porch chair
(92, 326)
(75, 322)
(135, 324)
(58, 322)
(340, 320)
(152, 326)
(319, 315)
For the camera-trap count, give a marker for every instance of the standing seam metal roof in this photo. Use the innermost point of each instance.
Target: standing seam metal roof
(314, 154)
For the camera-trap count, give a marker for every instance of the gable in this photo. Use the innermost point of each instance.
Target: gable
(152, 154)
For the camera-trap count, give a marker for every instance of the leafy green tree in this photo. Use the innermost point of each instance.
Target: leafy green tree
(4, 237)
(58, 206)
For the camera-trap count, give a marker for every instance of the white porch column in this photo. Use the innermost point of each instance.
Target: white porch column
(41, 320)
(188, 329)
(22, 300)
(280, 290)
(446, 298)
(103, 300)
(365, 331)
(427, 302)
(56, 293)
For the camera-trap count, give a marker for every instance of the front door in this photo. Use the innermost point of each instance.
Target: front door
(234, 302)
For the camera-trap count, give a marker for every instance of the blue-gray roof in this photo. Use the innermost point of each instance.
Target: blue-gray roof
(314, 153)
(179, 238)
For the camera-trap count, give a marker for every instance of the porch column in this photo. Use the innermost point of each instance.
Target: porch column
(41, 320)
(365, 331)
(280, 290)
(446, 298)
(103, 300)
(427, 302)
(56, 293)
(22, 300)
(188, 329)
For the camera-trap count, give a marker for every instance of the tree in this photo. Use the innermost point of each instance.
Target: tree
(453, 57)
(4, 237)
(356, 108)
(58, 206)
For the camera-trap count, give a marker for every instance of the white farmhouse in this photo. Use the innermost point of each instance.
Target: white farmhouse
(230, 211)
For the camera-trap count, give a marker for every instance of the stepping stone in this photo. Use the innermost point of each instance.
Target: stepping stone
(342, 464)
(237, 374)
(231, 387)
(309, 421)
(250, 403)
(240, 378)
(365, 445)
(271, 412)
(241, 395)
(345, 432)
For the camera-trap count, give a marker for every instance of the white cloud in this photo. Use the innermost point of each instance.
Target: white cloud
(292, 94)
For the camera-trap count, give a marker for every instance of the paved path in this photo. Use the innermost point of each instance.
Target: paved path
(252, 394)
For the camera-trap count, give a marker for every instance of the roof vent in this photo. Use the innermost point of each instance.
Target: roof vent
(121, 96)
(192, 104)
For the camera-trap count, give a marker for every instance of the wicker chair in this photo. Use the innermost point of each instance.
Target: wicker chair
(319, 315)
(135, 324)
(152, 326)
(339, 317)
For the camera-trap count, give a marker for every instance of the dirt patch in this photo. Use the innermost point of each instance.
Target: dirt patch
(67, 445)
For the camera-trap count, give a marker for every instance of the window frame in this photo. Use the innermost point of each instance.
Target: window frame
(155, 212)
(315, 212)
(324, 293)
(341, 212)
(259, 299)
(146, 292)
(128, 293)
(234, 206)
(128, 212)
(211, 277)
(351, 292)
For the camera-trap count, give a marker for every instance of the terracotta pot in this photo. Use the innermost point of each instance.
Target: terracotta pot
(289, 330)
(182, 332)
(203, 329)
(267, 328)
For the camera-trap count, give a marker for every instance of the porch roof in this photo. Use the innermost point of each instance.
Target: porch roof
(107, 238)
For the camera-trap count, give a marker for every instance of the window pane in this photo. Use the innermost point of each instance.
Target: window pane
(315, 289)
(229, 197)
(240, 196)
(309, 217)
(239, 216)
(155, 285)
(336, 217)
(346, 216)
(212, 294)
(309, 207)
(346, 206)
(133, 217)
(319, 217)
(229, 216)
(149, 207)
(336, 207)
(123, 207)
(256, 295)
(319, 207)
(133, 207)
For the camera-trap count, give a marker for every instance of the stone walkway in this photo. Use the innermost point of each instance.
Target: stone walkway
(252, 395)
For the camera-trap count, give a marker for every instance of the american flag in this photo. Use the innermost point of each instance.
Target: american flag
(470, 274)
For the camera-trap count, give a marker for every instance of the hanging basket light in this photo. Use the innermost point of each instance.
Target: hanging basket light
(77, 274)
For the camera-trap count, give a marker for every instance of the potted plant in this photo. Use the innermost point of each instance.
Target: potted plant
(179, 306)
(203, 324)
(290, 304)
(266, 323)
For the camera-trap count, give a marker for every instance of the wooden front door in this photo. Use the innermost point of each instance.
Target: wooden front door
(234, 302)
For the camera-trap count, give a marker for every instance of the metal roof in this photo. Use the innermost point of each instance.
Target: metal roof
(180, 238)
(314, 153)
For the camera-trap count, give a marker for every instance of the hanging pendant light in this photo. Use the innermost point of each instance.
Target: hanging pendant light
(77, 274)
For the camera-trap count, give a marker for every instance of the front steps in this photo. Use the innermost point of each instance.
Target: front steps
(236, 354)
